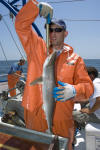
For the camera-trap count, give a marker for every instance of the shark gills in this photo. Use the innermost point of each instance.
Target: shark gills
(48, 83)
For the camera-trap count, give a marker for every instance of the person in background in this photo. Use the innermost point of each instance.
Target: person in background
(70, 72)
(93, 110)
(14, 74)
(90, 109)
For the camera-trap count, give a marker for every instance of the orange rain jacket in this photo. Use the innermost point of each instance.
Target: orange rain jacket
(69, 68)
(12, 80)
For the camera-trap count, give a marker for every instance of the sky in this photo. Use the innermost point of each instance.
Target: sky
(82, 18)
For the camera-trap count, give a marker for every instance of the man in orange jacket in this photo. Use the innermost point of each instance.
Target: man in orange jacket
(14, 74)
(69, 69)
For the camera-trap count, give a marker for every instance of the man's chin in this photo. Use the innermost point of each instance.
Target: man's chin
(54, 44)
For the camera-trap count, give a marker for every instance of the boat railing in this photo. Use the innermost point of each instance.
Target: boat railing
(32, 135)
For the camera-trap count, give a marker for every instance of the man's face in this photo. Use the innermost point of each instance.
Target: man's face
(22, 63)
(57, 35)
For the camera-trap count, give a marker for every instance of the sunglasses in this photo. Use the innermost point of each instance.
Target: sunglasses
(56, 29)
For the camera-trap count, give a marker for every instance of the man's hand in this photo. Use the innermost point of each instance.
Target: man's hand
(86, 110)
(64, 92)
(80, 117)
(45, 9)
(22, 76)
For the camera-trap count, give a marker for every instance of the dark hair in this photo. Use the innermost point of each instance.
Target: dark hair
(92, 70)
(22, 60)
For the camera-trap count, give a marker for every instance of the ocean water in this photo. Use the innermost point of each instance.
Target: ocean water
(5, 66)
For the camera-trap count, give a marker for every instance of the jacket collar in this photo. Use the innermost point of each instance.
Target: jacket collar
(66, 48)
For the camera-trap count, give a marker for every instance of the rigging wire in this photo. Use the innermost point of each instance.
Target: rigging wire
(20, 44)
(84, 20)
(71, 20)
(12, 36)
(54, 2)
(80, 20)
(66, 1)
(12, 17)
(4, 54)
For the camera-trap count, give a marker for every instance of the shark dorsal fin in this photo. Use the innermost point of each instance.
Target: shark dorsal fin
(37, 81)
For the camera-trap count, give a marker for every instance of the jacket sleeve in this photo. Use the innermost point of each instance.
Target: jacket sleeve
(82, 82)
(32, 43)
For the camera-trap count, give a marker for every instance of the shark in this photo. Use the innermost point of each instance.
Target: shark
(48, 83)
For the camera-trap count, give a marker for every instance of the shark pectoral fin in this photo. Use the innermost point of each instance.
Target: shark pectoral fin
(37, 81)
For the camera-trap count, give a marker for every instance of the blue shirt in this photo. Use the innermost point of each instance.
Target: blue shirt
(15, 67)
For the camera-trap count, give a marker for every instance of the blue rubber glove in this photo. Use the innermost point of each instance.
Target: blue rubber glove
(45, 9)
(64, 92)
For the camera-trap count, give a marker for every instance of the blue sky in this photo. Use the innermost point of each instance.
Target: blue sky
(84, 36)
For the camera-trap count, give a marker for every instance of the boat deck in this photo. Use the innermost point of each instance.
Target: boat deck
(80, 140)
